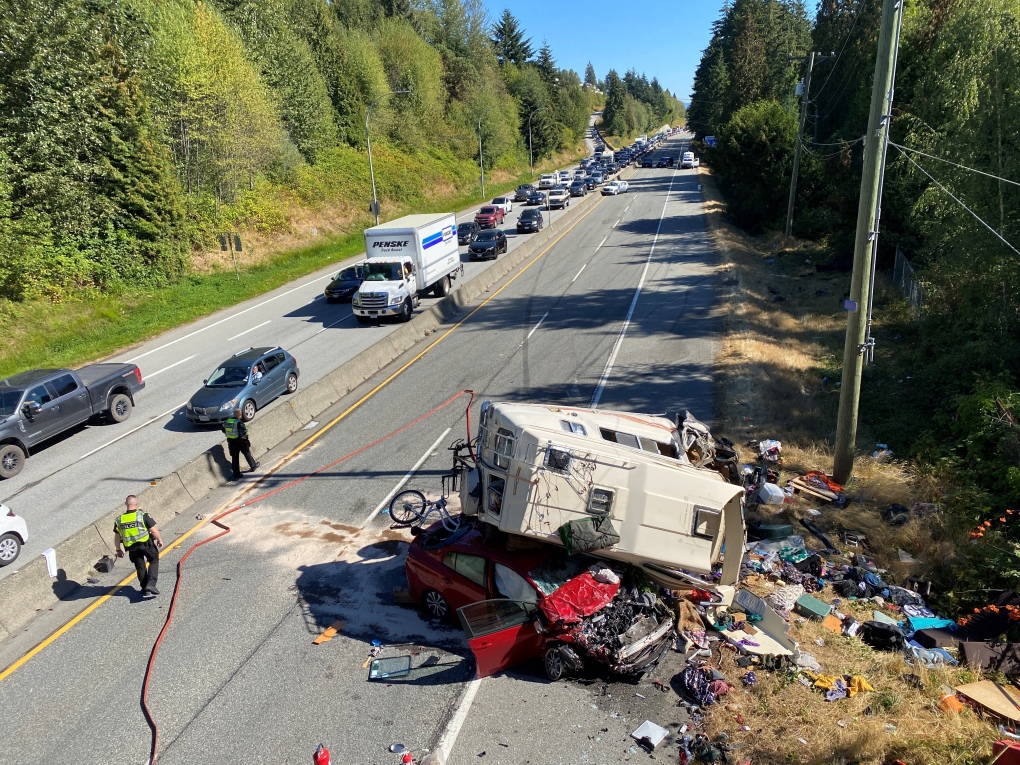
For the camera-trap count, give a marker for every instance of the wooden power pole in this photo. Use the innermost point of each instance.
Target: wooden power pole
(868, 213)
(800, 140)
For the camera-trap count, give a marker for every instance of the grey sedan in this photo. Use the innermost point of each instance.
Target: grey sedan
(248, 380)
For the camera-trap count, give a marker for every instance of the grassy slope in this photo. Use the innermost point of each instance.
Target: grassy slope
(77, 331)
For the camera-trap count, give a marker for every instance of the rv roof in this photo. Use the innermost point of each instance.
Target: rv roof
(547, 417)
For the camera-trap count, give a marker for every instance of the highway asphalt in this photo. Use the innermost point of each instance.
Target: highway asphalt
(80, 476)
(624, 308)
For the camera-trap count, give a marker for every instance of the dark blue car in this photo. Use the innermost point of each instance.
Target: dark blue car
(344, 284)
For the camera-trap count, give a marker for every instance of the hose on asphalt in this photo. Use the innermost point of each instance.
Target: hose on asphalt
(217, 520)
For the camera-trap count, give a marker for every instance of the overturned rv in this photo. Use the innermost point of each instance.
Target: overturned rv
(613, 484)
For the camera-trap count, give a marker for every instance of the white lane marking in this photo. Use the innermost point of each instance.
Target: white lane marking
(537, 325)
(602, 242)
(150, 375)
(579, 273)
(250, 329)
(228, 318)
(449, 737)
(626, 208)
(535, 328)
(615, 224)
(597, 395)
(330, 326)
(133, 430)
(407, 477)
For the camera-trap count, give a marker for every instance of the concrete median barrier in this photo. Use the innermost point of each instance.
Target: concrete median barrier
(30, 590)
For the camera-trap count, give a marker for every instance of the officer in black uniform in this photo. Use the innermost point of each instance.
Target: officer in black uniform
(238, 443)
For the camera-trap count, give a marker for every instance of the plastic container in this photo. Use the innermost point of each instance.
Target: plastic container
(950, 704)
(770, 494)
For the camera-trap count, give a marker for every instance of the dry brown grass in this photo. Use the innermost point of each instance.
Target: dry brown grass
(774, 357)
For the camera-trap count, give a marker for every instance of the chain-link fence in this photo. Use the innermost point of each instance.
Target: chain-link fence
(907, 281)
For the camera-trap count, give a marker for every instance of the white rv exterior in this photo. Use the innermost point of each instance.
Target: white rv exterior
(405, 258)
(541, 466)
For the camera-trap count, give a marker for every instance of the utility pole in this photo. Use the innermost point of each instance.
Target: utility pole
(857, 344)
(800, 139)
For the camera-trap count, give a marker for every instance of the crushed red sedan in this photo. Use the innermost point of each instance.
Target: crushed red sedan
(490, 216)
(536, 602)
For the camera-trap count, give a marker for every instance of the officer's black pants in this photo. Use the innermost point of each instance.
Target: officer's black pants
(145, 556)
(237, 447)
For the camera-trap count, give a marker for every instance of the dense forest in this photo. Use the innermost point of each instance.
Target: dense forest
(134, 132)
(945, 389)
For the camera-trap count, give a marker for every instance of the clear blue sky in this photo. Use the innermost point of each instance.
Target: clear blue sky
(663, 40)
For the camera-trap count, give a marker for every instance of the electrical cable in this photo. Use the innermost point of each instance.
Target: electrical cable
(857, 16)
(977, 217)
(955, 164)
(217, 521)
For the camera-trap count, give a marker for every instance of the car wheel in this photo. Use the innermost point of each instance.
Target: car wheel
(442, 287)
(12, 460)
(436, 605)
(406, 310)
(10, 547)
(120, 407)
(555, 669)
(248, 410)
(291, 382)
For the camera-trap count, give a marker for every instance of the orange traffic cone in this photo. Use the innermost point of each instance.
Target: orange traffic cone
(321, 756)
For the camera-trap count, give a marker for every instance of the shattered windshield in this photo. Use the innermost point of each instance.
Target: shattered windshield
(382, 272)
(556, 571)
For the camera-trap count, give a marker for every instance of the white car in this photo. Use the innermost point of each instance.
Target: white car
(564, 176)
(505, 202)
(613, 188)
(547, 181)
(13, 534)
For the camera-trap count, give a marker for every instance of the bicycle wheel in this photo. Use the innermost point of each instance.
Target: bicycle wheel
(408, 506)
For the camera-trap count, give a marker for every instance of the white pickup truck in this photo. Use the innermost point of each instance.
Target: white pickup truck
(406, 258)
(689, 160)
(548, 180)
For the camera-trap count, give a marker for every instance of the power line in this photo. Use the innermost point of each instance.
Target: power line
(857, 16)
(977, 217)
(954, 164)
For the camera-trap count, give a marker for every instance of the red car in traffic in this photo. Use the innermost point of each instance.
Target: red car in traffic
(490, 216)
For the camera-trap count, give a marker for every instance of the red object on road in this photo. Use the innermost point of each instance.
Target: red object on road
(406, 759)
(321, 756)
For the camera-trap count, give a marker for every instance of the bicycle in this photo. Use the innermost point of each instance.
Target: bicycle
(412, 508)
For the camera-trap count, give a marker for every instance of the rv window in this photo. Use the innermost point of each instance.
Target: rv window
(625, 439)
(657, 447)
(494, 496)
(600, 501)
(503, 446)
(573, 427)
(558, 460)
(706, 522)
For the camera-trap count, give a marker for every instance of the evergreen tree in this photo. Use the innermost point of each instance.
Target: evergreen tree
(590, 78)
(546, 65)
(509, 42)
(614, 114)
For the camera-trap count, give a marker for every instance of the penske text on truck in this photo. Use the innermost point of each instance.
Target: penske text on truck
(407, 257)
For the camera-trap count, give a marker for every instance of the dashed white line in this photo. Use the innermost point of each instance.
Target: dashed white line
(330, 326)
(597, 395)
(535, 328)
(449, 737)
(133, 430)
(250, 329)
(579, 273)
(228, 318)
(150, 375)
(407, 477)
(602, 242)
(614, 225)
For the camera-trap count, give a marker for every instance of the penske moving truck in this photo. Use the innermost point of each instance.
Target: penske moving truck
(406, 258)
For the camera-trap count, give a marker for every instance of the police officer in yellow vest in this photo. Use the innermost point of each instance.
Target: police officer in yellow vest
(238, 443)
(137, 531)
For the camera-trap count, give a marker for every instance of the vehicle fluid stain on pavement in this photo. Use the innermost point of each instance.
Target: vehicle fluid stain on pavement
(342, 576)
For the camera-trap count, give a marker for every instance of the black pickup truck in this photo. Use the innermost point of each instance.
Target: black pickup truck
(41, 403)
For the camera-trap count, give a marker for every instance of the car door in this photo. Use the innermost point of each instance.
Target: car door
(464, 579)
(45, 421)
(274, 376)
(72, 399)
(500, 633)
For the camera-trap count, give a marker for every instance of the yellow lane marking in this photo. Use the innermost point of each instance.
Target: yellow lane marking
(177, 542)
